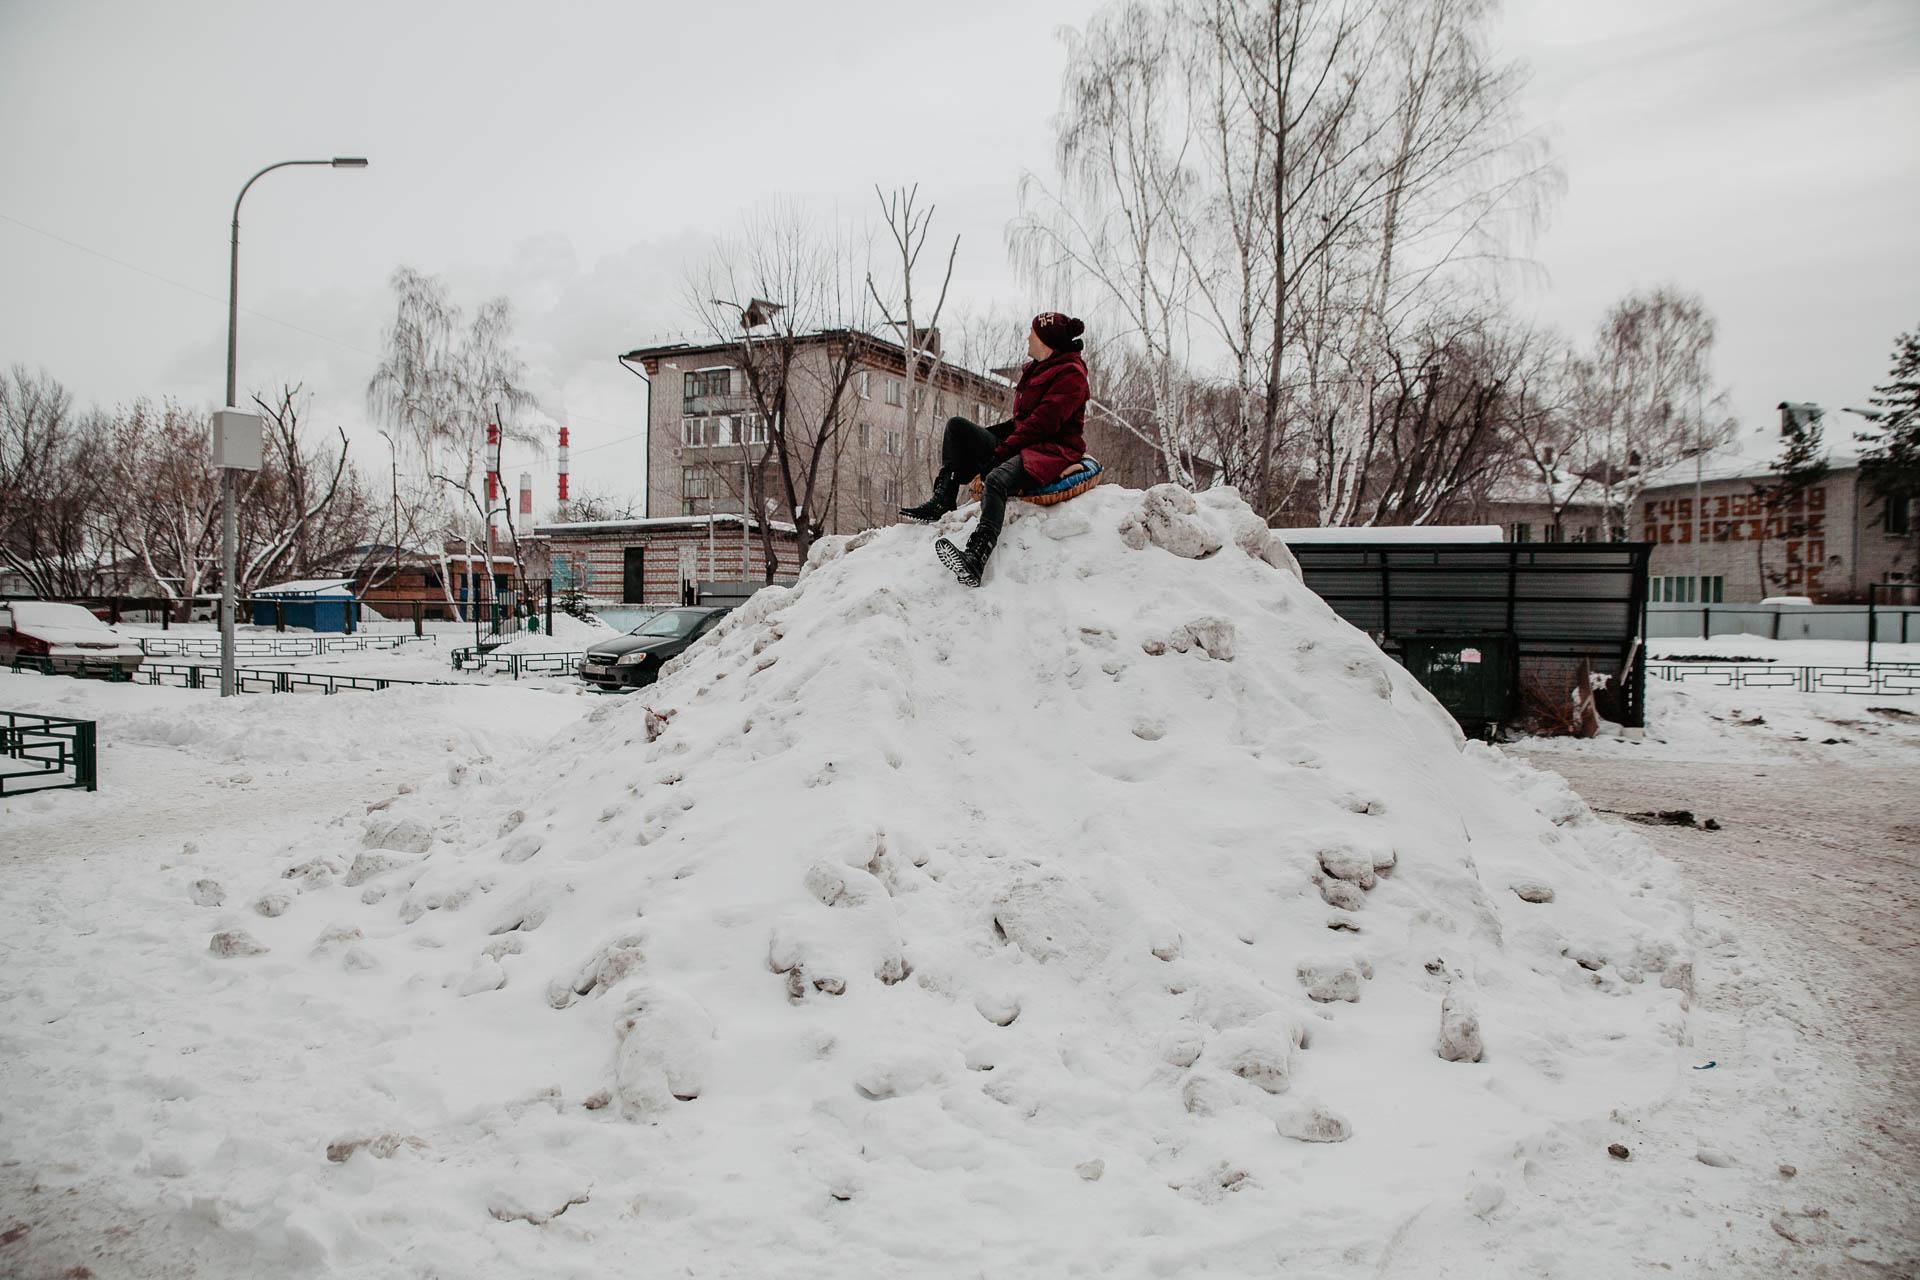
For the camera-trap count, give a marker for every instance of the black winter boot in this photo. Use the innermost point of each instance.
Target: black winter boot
(946, 495)
(969, 563)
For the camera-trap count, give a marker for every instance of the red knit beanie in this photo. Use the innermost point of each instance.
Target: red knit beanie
(1059, 331)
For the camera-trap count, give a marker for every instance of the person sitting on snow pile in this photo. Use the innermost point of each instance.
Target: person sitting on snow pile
(1043, 440)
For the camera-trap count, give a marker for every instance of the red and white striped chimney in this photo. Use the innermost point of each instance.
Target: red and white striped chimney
(493, 463)
(526, 494)
(563, 464)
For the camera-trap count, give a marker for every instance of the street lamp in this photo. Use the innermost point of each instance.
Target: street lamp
(236, 435)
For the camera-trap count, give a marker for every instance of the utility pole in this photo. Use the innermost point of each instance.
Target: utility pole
(236, 435)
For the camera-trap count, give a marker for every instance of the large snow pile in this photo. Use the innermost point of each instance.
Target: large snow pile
(1131, 915)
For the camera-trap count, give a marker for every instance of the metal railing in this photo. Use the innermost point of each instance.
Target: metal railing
(274, 646)
(53, 751)
(516, 665)
(190, 675)
(1883, 678)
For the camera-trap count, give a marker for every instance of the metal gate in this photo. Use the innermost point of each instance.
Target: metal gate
(515, 611)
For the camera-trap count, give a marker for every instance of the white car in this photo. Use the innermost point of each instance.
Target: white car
(64, 639)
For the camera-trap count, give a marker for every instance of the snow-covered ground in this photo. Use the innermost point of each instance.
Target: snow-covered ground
(1692, 720)
(1131, 916)
(1786, 653)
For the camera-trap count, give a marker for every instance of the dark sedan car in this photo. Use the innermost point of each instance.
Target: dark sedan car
(634, 659)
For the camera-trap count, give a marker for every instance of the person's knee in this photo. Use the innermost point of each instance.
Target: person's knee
(957, 424)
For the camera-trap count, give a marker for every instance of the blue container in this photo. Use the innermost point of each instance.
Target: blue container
(314, 605)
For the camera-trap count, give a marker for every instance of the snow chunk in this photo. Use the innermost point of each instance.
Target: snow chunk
(274, 902)
(229, 943)
(1311, 1122)
(1459, 1029)
(486, 975)
(1261, 1053)
(372, 865)
(401, 835)
(1213, 636)
(207, 893)
(1051, 920)
(1330, 979)
(666, 1045)
(1343, 862)
(1167, 518)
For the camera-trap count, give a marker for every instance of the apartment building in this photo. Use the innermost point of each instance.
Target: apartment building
(704, 426)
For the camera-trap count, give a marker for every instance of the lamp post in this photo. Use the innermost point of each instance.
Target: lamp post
(393, 456)
(236, 435)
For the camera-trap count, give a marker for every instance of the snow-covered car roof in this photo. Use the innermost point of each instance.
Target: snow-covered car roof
(31, 614)
(58, 623)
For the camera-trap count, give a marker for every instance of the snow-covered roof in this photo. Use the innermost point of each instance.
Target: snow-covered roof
(1750, 456)
(694, 344)
(1530, 486)
(308, 587)
(1384, 535)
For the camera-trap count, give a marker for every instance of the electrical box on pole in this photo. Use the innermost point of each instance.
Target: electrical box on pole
(236, 439)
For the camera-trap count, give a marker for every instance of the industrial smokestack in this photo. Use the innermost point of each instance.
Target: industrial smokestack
(526, 494)
(493, 464)
(563, 464)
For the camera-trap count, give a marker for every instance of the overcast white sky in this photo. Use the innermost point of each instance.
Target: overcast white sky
(579, 156)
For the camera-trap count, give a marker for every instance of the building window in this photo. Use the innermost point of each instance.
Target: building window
(865, 487)
(863, 385)
(1554, 533)
(696, 383)
(1686, 589)
(694, 483)
(753, 428)
(1898, 516)
(980, 413)
(896, 392)
(895, 445)
(1520, 531)
(866, 436)
(891, 490)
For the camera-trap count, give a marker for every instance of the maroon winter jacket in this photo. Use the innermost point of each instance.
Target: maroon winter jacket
(1049, 413)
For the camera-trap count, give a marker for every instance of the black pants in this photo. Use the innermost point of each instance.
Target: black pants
(967, 451)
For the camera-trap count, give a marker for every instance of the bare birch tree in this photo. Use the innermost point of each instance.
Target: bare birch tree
(1649, 386)
(443, 379)
(1115, 225)
(1293, 189)
(790, 299)
(920, 343)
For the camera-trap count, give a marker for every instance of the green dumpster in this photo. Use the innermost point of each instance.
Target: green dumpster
(1472, 676)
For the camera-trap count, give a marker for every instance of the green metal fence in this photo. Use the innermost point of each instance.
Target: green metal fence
(44, 753)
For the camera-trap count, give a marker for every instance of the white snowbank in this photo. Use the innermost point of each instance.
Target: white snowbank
(1100, 922)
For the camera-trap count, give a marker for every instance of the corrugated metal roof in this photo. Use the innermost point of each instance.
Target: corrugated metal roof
(341, 588)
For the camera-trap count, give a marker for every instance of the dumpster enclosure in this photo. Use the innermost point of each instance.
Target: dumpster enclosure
(1482, 623)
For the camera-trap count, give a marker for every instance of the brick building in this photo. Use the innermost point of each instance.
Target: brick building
(1828, 542)
(1530, 508)
(393, 584)
(702, 423)
(650, 560)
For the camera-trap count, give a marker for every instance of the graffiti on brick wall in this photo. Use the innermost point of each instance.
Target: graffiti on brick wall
(1798, 524)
